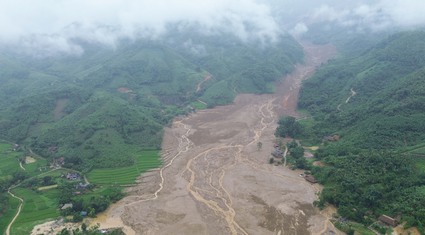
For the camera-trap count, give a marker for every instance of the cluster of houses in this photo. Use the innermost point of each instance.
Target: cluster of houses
(73, 176)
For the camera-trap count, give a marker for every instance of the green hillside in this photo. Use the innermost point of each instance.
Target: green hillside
(387, 109)
(109, 104)
(375, 102)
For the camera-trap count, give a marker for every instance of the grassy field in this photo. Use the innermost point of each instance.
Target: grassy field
(361, 229)
(37, 207)
(198, 105)
(420, 163)
(126, 175)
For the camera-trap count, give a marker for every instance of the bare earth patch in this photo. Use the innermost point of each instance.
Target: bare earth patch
(29, 160)
(47, 187)
(59, 108)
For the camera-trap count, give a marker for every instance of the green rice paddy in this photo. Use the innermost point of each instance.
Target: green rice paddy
(147, 160)
(37, 207)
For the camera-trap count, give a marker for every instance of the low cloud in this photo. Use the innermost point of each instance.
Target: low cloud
(375, 15)
(51, 26)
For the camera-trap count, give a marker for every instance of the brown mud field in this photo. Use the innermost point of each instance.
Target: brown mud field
(214, 180)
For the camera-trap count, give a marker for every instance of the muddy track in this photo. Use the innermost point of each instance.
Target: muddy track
(214, 180)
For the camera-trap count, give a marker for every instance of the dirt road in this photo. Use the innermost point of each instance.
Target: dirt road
(216, 181)
(21, 202)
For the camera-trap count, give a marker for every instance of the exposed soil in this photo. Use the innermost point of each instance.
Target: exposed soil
(29, 160)
(206, 79)
(216, 181)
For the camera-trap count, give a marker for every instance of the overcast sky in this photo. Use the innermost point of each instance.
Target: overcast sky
(48, 25)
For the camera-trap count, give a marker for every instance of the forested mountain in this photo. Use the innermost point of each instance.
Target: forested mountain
(374, 101)
(112, 102)
(386, 89)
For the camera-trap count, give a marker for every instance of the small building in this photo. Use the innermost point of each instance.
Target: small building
(385, 219)
(16, 147)
(310, 179)
(332, 138)
(81, 186)
(52, 149)
(277, 153)
(73, 176)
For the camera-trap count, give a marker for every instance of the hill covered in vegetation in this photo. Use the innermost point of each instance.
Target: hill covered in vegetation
(112, 102)
(374, 102)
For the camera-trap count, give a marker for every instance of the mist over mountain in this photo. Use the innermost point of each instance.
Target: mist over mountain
(46, 28)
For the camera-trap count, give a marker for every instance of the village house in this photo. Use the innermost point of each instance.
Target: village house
(81, 186)
(52, 149)
(73, 176)
(331, 138)
(16, 147)
(277, 153)
(388, 220)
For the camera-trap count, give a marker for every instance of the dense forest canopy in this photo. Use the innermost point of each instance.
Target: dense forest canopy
(374, 100)
(386, 90)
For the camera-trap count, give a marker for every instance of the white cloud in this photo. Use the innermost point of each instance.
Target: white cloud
(405, 13)
(50, 26)
(299, 29)
(56, 22)
(377, 15)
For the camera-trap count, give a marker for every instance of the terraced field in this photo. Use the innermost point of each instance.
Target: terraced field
(9, 161)
(40, 206)
(147, 160)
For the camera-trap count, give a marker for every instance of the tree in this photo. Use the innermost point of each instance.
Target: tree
(83, 227)
(47, 180)
(288, 127)
(259, 145)
(297, 152)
